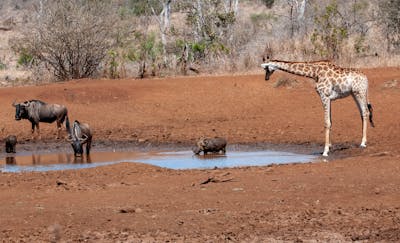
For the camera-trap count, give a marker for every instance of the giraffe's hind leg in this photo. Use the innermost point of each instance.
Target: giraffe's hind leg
(361, 101)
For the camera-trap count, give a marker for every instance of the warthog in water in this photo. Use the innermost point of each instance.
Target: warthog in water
(38, 111)
(11, 143)
(80, 134)
(210, 145)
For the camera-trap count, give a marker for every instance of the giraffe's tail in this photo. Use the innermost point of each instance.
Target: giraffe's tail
(370, 109)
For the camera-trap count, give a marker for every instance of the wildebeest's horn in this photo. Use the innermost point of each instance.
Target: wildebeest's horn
(14, 104)
(69, 138)
(83, 139)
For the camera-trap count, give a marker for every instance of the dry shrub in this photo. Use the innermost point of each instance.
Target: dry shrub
(391, 84)
(286, 82)
(70, 38)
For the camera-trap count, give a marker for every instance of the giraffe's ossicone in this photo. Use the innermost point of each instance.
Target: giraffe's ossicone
(331, 82)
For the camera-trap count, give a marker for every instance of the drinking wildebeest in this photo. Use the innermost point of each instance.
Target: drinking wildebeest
(11, 143)
(38, 111)
(210, 145)
(79, 135)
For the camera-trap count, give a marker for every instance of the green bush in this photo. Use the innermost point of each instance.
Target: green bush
(330, 32)
(2, 66)
(25, 59)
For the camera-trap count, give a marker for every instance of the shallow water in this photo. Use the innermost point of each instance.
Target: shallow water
(172, 160)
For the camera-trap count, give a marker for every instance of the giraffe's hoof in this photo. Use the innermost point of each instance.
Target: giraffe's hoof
(363, 145)
(325, 154)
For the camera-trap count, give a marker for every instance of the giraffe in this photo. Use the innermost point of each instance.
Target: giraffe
(331, 82)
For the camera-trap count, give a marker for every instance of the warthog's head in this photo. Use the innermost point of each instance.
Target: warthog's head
(201, 143)
(196, 150)
(21, 110)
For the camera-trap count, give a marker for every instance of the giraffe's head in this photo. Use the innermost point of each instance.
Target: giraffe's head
(266, 58)
(269, 69)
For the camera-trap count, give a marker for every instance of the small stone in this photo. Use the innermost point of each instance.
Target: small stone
(236, 189)
(60, 183)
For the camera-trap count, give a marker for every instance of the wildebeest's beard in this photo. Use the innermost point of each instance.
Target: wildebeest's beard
(20, 112)
(268, 73)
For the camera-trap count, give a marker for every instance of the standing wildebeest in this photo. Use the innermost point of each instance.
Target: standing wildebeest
(11, 142)
(38, 111)
(79, 135)
(212, 145)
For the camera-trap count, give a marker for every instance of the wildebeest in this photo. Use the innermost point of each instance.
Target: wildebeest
(80, 134)
(38, 111)
(210, 145)
(11, 143)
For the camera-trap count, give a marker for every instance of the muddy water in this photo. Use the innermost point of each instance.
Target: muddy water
(166, 159)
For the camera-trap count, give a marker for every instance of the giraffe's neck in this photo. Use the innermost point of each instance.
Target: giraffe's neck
(306, 69)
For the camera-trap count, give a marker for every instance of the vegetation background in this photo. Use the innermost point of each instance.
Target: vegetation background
(52, 40)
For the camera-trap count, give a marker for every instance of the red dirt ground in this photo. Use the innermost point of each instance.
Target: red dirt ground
(353, 196)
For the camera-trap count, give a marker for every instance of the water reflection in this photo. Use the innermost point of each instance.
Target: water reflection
(82, 159)
(210, 156)
(44, 159)
(172, 160)
(11, 161)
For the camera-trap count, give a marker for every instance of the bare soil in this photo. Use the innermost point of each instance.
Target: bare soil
(352, 196)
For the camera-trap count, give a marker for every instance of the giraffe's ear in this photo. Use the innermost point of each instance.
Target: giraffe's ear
(267, 54)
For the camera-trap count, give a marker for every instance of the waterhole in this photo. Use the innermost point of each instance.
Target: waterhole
(167, 159)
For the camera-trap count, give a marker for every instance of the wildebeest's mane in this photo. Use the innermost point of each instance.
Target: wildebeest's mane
(38, 101)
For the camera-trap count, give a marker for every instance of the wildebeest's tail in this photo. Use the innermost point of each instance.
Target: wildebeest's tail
(67, 125)
(370, 114)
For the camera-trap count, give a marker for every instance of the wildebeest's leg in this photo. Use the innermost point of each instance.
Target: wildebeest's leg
(33, 127)
(58, 129)
(88, 145)
(38, 131)
(33, 130)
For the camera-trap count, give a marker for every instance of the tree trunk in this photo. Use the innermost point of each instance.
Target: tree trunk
(164, 23)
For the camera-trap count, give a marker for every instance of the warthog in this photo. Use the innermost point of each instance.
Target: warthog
(210, 145)
(80, 134)
(11, 142)
(38, 111)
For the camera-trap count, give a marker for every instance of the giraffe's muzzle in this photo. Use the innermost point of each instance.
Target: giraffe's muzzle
(268, 73)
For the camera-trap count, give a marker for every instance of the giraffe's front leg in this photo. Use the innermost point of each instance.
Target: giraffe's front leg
(328, 124)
